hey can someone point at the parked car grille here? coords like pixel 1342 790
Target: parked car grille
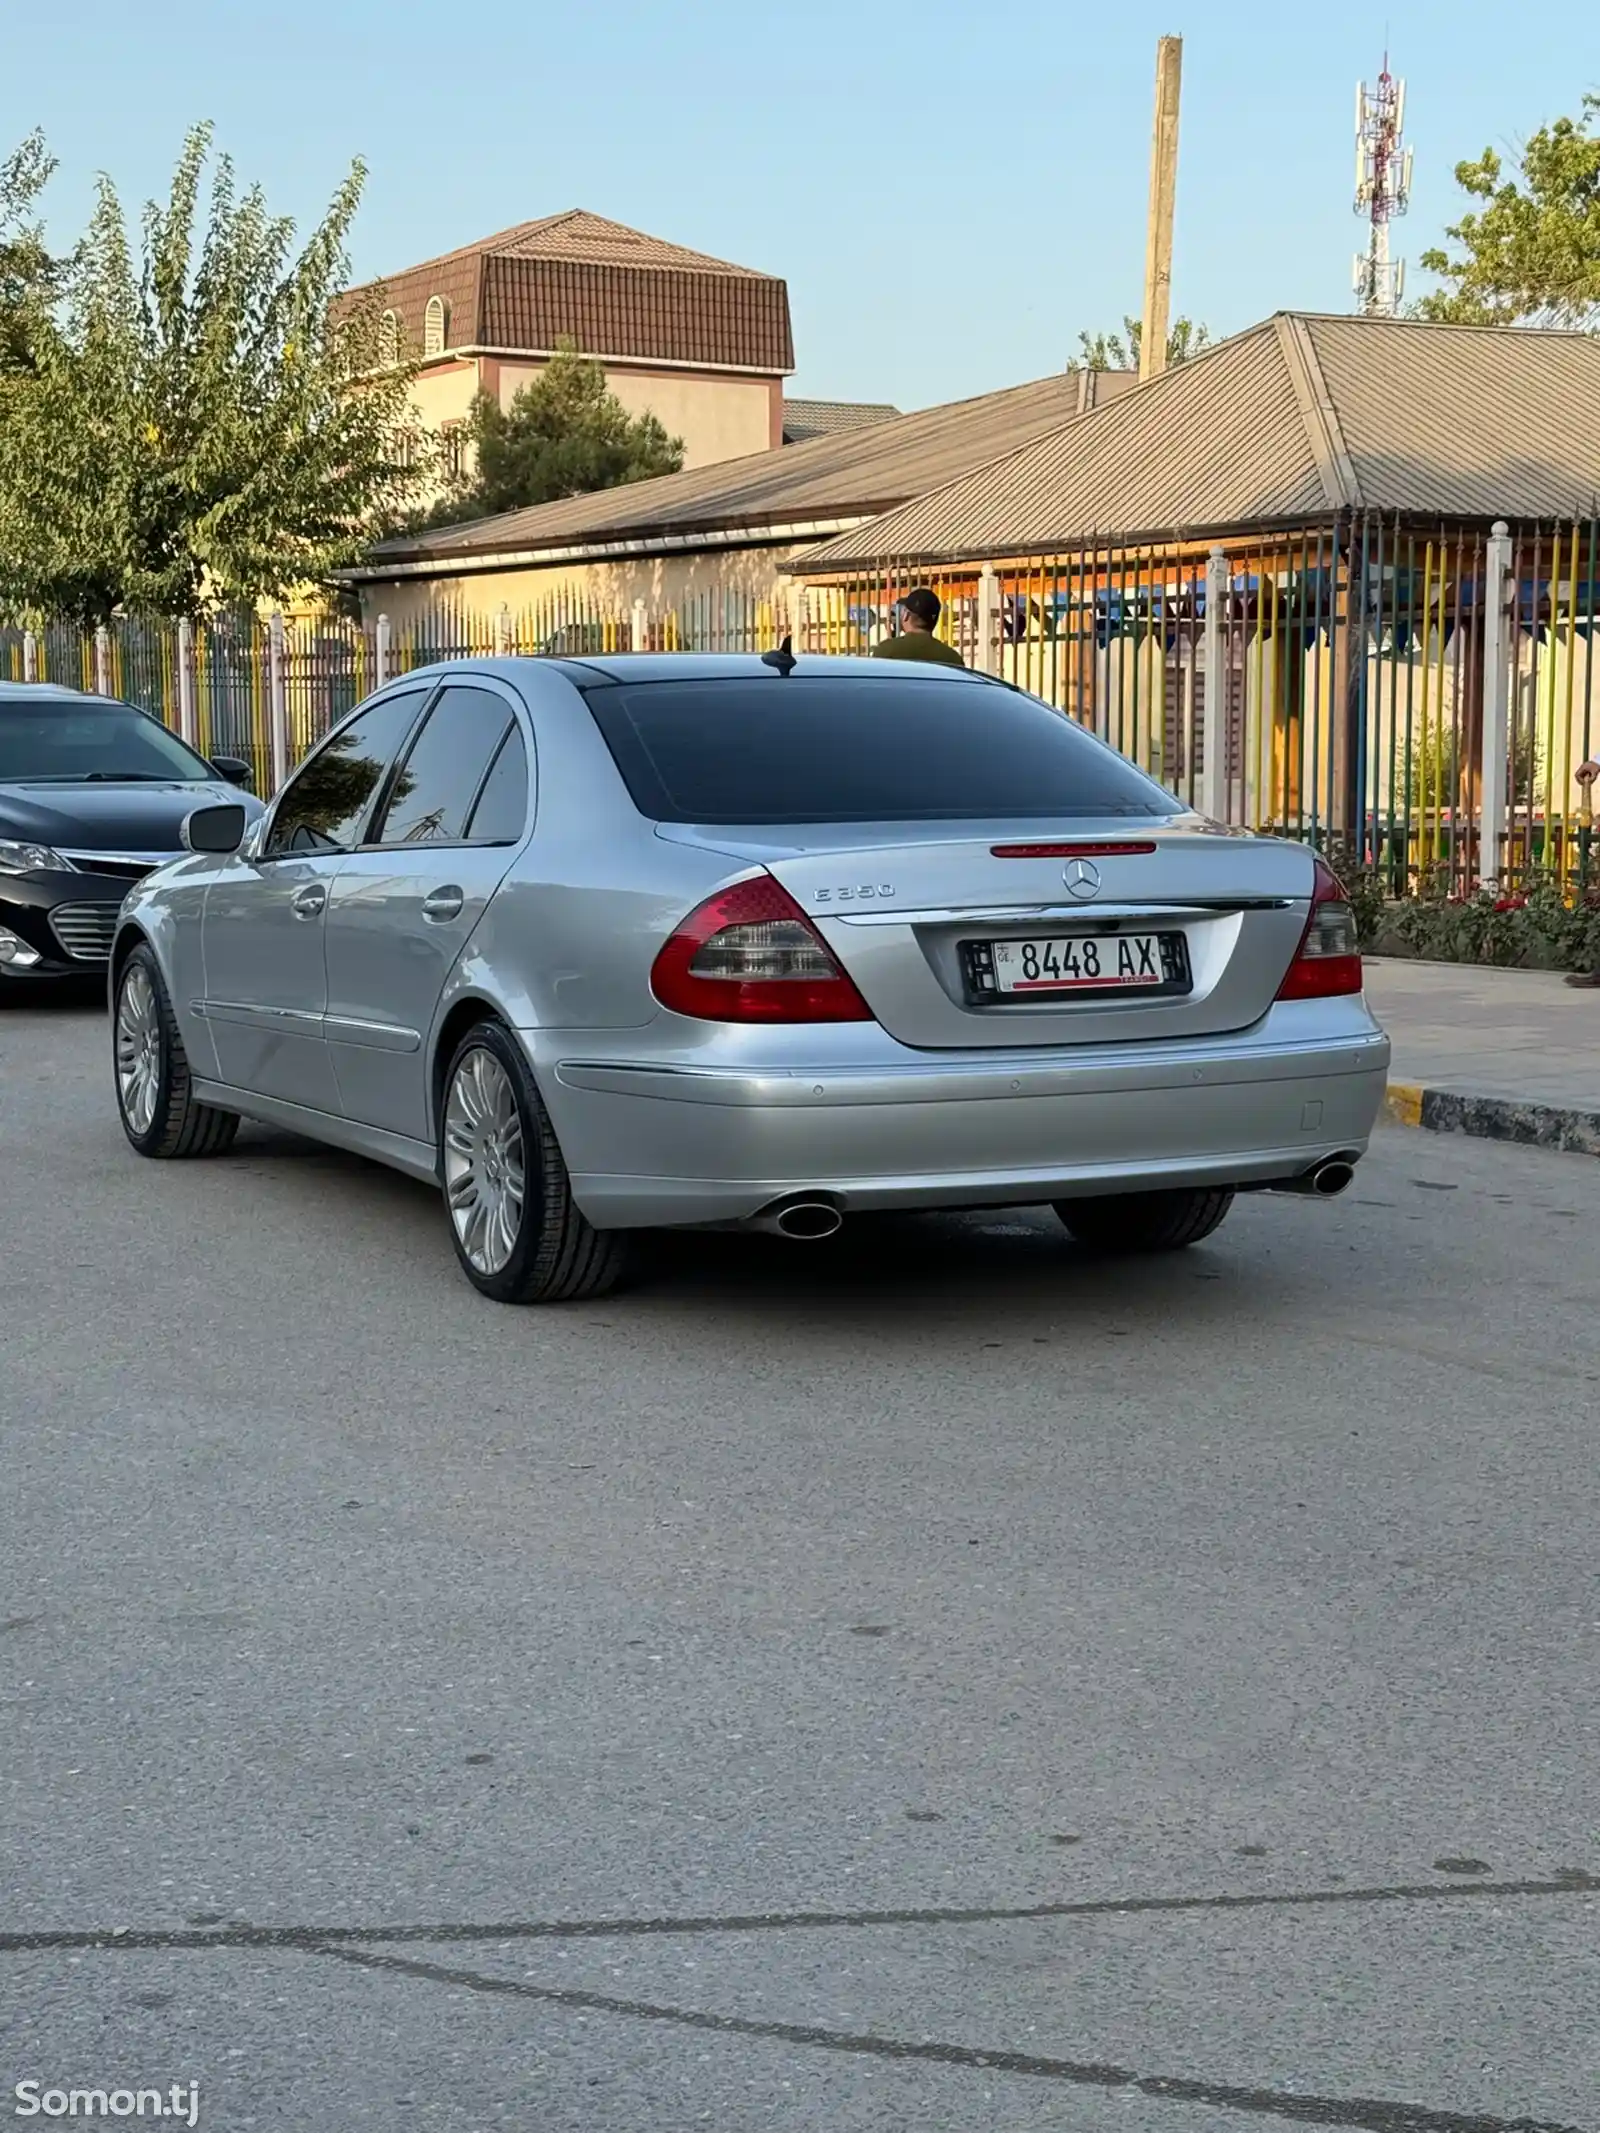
pixel 85 931
pixel 123 866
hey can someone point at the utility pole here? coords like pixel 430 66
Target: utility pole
pixel 1163 195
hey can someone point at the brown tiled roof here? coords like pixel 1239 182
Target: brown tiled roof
pixel 804 419
pixel 851 475
pixel 1296 419
pixel 613 290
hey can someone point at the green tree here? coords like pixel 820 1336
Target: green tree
pixel 1530 255
pixel 189 436
pixel 1120 351
pixel 30 278
pixel 564 434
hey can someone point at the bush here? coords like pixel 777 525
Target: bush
pixel 1535 925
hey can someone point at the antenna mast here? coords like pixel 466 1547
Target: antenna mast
pixel 1383 190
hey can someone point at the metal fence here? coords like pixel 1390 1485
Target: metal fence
pixel 1418 702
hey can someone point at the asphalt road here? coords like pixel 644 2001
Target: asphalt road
pixel 930 1681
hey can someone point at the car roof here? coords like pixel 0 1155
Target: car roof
pixel 24 692
pixel 695 666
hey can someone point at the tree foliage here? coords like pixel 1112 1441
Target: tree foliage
pixel 564 434
pixel 1530 255
pixel 1120 351
pixel 186 435
pixel 29 277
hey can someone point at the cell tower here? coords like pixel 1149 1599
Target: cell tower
pixel 1383 190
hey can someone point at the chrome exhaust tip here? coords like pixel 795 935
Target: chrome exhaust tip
pixel 800 1220
pixel 1324 1181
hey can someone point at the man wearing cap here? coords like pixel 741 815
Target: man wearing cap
pixel 1587 774
pixel 919 617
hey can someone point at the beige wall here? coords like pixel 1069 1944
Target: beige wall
pixel 706 588
pixel 718 416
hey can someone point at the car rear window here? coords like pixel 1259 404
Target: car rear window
pixel 813 749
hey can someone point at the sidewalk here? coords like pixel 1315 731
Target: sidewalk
pixel 1501 1054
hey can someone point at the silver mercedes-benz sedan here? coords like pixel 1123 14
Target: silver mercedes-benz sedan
pixel 629 943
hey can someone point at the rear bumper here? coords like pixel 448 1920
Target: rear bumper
pixel 650 1143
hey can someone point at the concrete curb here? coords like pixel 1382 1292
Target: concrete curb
pixel 1494 1118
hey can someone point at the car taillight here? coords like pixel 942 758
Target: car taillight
pixel 750 954
pixel 1329 959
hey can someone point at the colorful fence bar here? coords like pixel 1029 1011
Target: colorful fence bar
pixel 1416 702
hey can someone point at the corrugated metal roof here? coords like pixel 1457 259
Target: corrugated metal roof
pixel 805 419
pixel 615 291
pixel 851 475
pixel 1292 420
pixel 1465 421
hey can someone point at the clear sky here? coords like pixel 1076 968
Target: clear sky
pixel 951 191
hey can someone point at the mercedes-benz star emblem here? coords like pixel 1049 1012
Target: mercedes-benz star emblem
pixel 1082 878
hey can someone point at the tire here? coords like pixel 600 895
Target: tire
pixel 156 1102
pixel 1146 1221
pixel 518 1246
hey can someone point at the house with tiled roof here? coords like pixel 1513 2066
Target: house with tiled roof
pixel 698 342
pixel 805 419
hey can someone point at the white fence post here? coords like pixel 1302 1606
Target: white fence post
pixel 1214 794
pixel 278 699
pixel 102 661
pixel 186 719
pixel 797 616
pixel 1497 657
pixel 502 632
pixel 30 656
pixel 641 627
pixel 986 653
pixel 382 650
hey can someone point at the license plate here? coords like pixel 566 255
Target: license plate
pixel 1078 962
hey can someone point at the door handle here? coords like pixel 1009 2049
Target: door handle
pixel 310 901
pixel 443 904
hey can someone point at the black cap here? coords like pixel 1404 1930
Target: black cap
pixel 922 603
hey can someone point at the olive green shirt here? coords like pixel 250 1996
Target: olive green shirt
pixel 918 644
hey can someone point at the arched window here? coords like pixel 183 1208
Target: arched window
pixel 433 327
pixel 388 338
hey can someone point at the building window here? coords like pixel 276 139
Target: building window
pixel 433 327
pixel 388 339
pixel 453 448
pixel 406 446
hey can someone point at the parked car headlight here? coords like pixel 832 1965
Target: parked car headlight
pixel 32 859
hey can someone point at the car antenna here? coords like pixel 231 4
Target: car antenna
pixel 782 659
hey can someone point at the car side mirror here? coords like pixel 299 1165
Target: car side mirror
pixel 235 769
pixel 215 829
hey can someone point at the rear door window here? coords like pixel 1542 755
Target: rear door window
pixel 814 749
pixel 445 767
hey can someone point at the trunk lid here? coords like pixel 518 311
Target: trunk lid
pixel 901 911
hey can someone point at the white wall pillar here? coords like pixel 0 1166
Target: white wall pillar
pixel 278 699
pixel 1493 822
pixel 30 656
pixel 640 627
pixel 187 725
pixel 383 651
pixel 102 661
pixel 986 653
pixel 1214 795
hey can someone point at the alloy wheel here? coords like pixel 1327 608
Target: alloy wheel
pixel 485 1171
pixel 138 1049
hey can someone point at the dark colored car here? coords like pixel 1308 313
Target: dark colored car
pixel 93 795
